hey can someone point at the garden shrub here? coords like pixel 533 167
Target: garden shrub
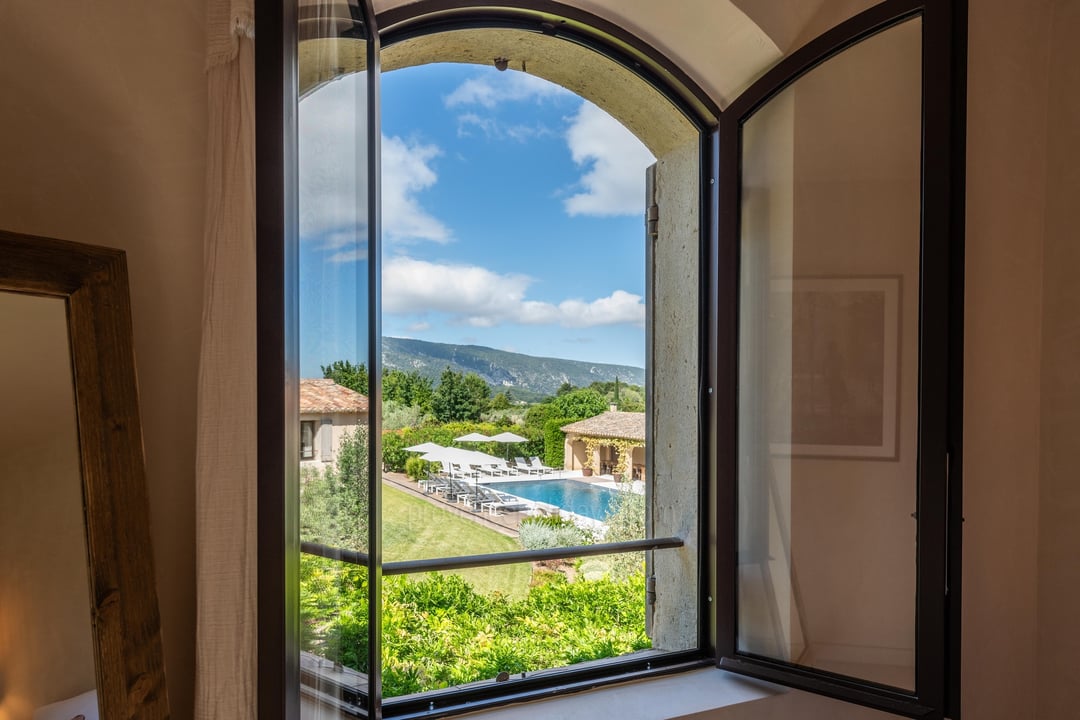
pixel 555 442
pixel 538 537
pixel 551 521
pixel 334 502
pixel 417 469
pixel 439 632
pixel 625 521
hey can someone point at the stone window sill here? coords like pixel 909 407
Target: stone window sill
pixel 670 697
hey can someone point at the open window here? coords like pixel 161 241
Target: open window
pixel 804 284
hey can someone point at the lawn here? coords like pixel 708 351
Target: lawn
pixel 414 529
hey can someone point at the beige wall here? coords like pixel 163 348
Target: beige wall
pixel 340 424
pixel 103 141
pixel 1059 419
pixel 1006 185
pixel 574 453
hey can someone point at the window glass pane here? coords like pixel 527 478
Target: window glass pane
pixel 829 300
pixel 333 320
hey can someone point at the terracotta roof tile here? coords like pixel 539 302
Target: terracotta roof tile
pixel 611 424
pixel 326 396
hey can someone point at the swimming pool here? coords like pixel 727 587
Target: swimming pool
pixel 570 495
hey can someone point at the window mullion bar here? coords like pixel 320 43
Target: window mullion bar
pixel 509 558
pixel 405 567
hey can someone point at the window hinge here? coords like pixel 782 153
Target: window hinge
pixel 652 221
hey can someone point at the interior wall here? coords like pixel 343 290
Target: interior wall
pixel 1059 492
pixel 1008 56
pixel 103 122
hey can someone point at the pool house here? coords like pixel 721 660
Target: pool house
pixel 612 443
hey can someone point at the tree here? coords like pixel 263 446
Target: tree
pixel 579 404
pixel 479 394
pixel 537 415
pixel 459 397
pixel 334 502
pixel 501 401
pixel 344 373
pixel 628 398
pixel 407 388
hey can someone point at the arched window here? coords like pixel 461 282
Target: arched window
pixel 798 462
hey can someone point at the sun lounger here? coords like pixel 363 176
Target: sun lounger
pixel 463 471
pixel 465 493
pixel 523 466
pixel 536 464
pixel 434 483
pixel 501 468
pixel 493 501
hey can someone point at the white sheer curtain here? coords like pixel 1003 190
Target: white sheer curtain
pixel 226 462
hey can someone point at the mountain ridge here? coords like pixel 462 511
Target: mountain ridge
pixel 501 369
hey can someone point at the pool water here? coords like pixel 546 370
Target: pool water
pixel 570 495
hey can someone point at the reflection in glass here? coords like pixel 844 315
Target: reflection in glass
pixel 829 365
pixel 334 239
pixel 46 644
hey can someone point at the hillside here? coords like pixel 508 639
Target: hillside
pixel 528 376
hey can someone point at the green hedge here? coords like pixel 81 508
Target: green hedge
pixel 438 632
pixel 394 442
pixel 555 442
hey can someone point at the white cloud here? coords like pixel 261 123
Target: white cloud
pixel 406 171
pixel 332 206
pixel 491 89
pixel 414 286
pixel 614 183
pixel 358 254
pixel 480 297
pixel 493 128
pixel 333 184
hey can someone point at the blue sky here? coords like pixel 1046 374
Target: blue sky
pixel 512 218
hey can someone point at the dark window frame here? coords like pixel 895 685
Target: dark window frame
pixel 307 452
pixel 278 449
pixel 941 335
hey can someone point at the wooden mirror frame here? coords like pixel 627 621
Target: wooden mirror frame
pixel 93 282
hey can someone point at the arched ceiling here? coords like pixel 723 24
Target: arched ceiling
pixel 713 41
pixel 722 45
